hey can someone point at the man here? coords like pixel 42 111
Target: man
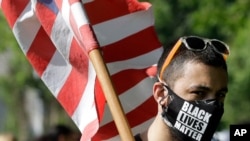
pixel 190 92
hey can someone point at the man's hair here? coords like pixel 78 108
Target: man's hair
pixel 176 67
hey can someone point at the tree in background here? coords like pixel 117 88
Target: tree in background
pixel 228 20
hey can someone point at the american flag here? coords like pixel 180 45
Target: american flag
pixel 56 37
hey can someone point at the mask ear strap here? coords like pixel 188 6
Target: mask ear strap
pixel 165 104
pixel 162 99
pixel 165 109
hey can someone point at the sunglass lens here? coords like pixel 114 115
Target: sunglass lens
pixel 220 47
pixel 195 43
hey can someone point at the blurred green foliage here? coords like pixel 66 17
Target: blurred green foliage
pixel 228 20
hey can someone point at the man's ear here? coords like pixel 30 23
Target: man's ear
pixel 158 92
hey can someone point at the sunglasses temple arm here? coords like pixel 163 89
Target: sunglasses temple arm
pixel 170 57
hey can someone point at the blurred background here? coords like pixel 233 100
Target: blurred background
pixel 28 109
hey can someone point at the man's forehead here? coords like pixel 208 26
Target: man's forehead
pixel 196 65
pixel 203 74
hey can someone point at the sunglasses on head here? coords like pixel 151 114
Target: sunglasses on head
pixel 195 43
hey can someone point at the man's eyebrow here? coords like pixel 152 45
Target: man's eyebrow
pixel 200 87
pixel 205 88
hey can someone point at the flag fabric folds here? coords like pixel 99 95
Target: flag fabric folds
pixel 56 37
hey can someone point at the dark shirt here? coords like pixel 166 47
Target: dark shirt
pixel 137 137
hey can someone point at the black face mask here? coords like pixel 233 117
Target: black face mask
pixel 192 120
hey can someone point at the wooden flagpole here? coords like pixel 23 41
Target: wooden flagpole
pixel 111 96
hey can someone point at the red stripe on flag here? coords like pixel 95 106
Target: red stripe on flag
pixel 41 51
pixel 101 10
pixel 13 9
pixel 46 17
pixel 142 113
pixel 100 100
pixel 129 79
pixel 78 59
pixel 71 93
pixel 132 46
pixel 145 111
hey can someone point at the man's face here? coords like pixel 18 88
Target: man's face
pixel 201 82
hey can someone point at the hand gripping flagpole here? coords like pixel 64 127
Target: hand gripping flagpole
pixel 110 95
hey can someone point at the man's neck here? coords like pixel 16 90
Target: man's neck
pixel 158 131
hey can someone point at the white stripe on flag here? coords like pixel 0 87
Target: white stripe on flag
pixel 79 14
pixel 61 36
pixel 26 28
pixel 65 11
pixel 142 60
pixel 141 91
pixel 54 76
pixel 116 29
